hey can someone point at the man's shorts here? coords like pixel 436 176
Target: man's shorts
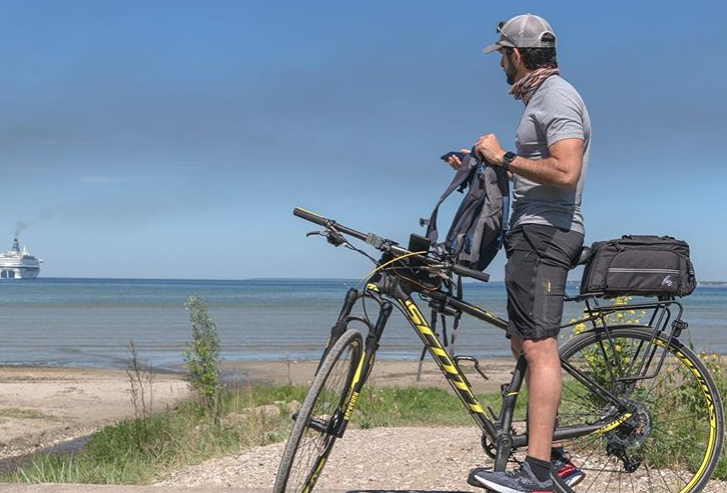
pixel 538 260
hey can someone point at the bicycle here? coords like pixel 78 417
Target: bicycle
pixel 639 409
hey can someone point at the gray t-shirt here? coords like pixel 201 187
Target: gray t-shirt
pixel 555 112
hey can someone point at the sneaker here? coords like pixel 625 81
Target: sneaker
pixel 521 480
pixel 566 470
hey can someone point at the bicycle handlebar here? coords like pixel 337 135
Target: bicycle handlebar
pixel 325 222
pixel 310 216
pixel 383 244
pixel 467 272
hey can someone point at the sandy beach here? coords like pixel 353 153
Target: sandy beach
pixel 41 406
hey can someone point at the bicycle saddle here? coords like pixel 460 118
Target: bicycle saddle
pixel 585 256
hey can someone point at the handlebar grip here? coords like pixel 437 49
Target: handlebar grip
pixel 310 216
pixel 475 274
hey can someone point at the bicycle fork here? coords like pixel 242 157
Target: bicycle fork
pixel 340 326
pixel 365 364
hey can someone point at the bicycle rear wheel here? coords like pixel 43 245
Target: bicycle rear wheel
pixel 321 416
pixel 669 438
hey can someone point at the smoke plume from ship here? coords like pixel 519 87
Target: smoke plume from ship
pixel 20 226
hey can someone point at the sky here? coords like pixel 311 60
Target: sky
pixel 172 139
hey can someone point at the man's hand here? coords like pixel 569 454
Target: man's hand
pixel 454 161
pixel 489 149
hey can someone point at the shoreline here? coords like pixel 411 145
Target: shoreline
pixel 395 371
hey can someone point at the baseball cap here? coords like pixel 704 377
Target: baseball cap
pixel 523 31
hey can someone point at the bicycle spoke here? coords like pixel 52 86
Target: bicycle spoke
pixel 619 482
pixel 608 484
pixel 595 479
pixel 591 439
pixel 671 470
pixel 658 381
pixel 668 394
pixel 661 475
pixel 683 418
pixel 631 480
pixel 581 398
pixel 648 476
pixel 682 452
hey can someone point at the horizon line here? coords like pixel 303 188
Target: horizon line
pixel 254 279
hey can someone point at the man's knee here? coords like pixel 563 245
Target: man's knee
pixel 540 350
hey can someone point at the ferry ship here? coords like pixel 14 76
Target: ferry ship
pixel 18 264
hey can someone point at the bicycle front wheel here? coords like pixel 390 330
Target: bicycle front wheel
pixel 321 417
pixel 668 434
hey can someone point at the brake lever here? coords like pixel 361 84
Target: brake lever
pixel 333 237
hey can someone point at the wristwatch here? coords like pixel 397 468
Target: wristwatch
pixel 508 158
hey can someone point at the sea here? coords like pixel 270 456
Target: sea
pixel 91 322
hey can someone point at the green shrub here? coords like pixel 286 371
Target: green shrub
pixel 202 356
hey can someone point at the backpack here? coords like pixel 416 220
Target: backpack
pixel 479 226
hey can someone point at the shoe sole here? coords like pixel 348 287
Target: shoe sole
pixel 498 488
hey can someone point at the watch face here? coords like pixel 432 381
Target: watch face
pixel 509 156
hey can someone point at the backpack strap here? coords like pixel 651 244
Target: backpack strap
pixel 457 317
pixel 465 173
pixel 505 211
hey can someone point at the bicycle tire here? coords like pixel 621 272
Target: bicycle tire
pixel 311 438
pixel 673 439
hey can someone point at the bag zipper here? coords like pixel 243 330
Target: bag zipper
pixel 650 271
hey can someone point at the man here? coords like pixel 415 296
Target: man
pixel 546 234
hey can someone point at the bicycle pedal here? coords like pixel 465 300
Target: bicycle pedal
pixel 559 486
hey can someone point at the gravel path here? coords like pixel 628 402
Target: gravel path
pixel 380 458
pixel 429 459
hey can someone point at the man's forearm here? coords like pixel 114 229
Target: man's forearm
pixel 561 169
pixel 548 171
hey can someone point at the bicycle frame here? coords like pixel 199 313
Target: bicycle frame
pixel 496 428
